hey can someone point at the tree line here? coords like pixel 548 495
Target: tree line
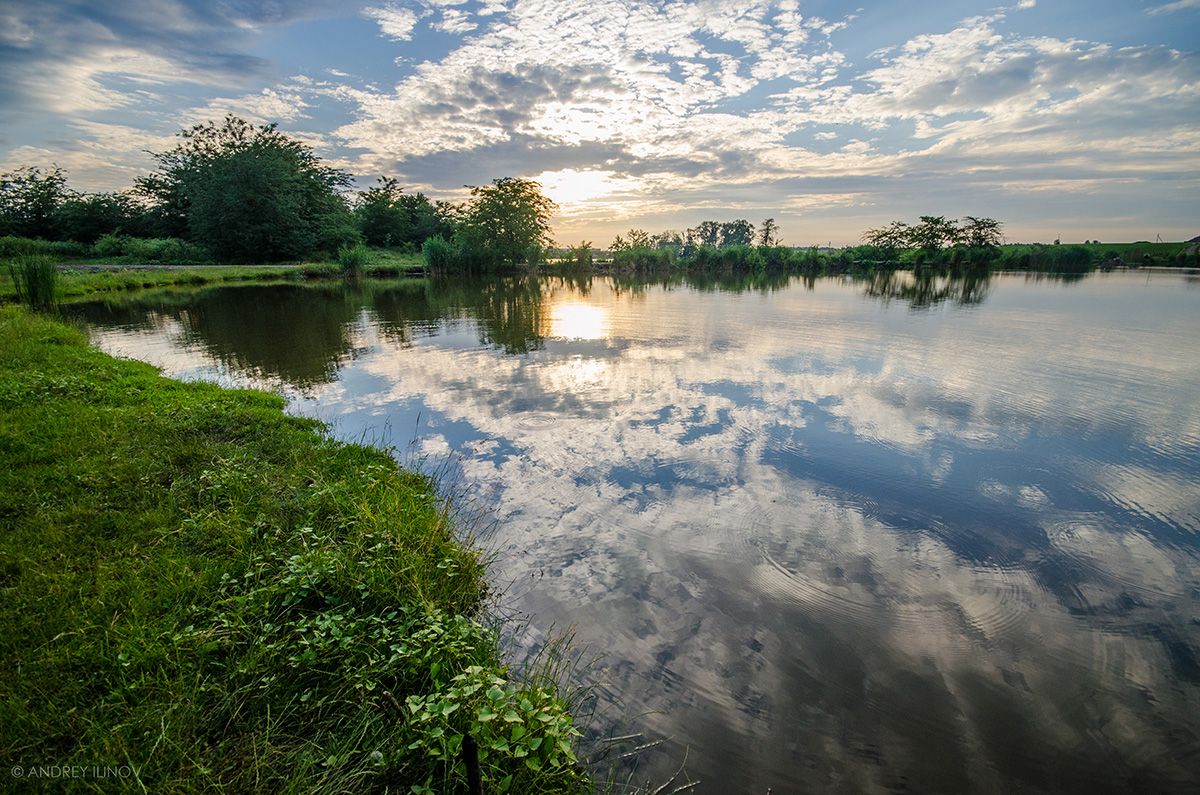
pixel 241 192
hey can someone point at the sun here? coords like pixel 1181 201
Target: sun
pixel 570 186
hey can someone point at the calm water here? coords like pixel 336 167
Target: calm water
pixel 832 536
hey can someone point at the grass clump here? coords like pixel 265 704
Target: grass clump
pixel 35 281
pixel 353 259
pixel 221 597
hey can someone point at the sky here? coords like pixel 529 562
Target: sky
pixel 1062 119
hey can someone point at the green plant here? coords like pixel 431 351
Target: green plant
pixel 35 279
pixel 353 259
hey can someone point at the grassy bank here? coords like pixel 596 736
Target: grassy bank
pixel 217 596
pixel 82 280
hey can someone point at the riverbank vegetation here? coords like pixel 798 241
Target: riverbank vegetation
pixel 218 596
pixel 236 193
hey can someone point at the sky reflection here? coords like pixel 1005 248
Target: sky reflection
pixel 835 536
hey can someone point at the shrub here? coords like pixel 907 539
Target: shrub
pixel 165 250
pixel 11 246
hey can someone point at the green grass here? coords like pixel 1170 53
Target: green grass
pixel 34 281
pixel 217 595
pixel 81 280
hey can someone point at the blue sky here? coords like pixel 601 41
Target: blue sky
pixel 1071 119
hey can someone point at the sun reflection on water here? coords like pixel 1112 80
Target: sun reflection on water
pixel 575 320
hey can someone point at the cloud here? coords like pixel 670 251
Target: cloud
pixel 1170 8
pixel 395 22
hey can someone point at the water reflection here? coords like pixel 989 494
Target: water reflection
pixel 825 543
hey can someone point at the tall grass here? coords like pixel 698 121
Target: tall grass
pixel 35 279
pixel 353 259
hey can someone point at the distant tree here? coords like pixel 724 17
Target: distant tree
pixel 638 238
pixel 29 198
pixel 667 241
pixel 737 233
pixel 580 255
pixel 707 233
pixel 981 232
pixel 88 217
pixel 933 232
pixel 510 219
pixel 619 244
pixel 768 233
pixel 249 192
pixel 890 238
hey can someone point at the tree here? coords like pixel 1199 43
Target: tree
pixel 933 232
pixel 509 218
pixel 28 200
pixel 379 217
pixel 982 232
pixel 737 233
pixel 88 217
pixel 708 233
pixel 249 192
pixel 768 233
pixel 387 216
pixel 890 238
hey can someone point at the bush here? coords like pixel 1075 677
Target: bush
pixel 35 279
pixel 642 259
pixel 164 250
pixel 23 246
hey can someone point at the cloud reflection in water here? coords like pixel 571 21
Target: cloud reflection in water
pixel 837 536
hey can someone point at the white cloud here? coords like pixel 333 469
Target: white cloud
pixel 1178 5
pixel 395 22
pixel 455 21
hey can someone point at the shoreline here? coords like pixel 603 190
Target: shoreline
pixel 216 595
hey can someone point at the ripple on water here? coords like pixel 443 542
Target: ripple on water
pixel 833 562
pixel 536 420
pixel 1121 556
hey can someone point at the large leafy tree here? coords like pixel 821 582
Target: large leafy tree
pixel 29 198
pixel 509 218
pixel 249 192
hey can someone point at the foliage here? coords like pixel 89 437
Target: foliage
pixel 29 198
pixel 509 218
pixel 16 246
pixel 386 216
pixel 35 281
pixel 935 232
pixel 768 233
pixel 166 251
pixel 220 596
pixel 580 256
pixel 249 193
pixel 353 259
pixel 87 217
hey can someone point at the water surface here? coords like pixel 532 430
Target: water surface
pixel 824 536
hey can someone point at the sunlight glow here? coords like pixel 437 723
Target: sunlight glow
pixel 570 186
pixel 578 321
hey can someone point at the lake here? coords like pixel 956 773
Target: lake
pixel 820 536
